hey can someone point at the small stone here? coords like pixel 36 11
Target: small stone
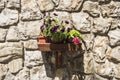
pixel 9 51
pixel 114 37
pixel 82 23
pixel 31 44
pixel 33 58
pixel 9 76
pixel 70 5
pixel 15 65
pixel 13 3
pixel 101 25
pixel 3 33
pixel 91 8
pixel 13 34
pixel 115 54
pixel 117 71
pixel 45 5
pixel 8 17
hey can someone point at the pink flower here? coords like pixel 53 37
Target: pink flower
pixel 76 40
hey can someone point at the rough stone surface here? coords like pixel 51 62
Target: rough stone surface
pixel 30 10
pixel 33 58
pixel 91 8
pixel 45 5
pixel 114 37
pixel 114 55
pixel 13 3
pixel 2 4
pixel 15 65
pixel 9 76
pixel 70 5
pixel 8 17
pixel 24 74
pixel 101 25
pixel 82 22
pixel 9 51
pixel 38 73
pixel 3 70
pixel 3 33
pixel 29 29
pixel 13 34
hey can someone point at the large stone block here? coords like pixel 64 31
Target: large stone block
pixel 81 22
pixel 3 33
pixel 91 8
pixel 15 65
pixel 8 17
pixel 33 58
pixel 13 3
pixel 70 5
pixel 114 37
pixel 10 51
pixel 30 10
pixel 29 29
pixel 13 34
pixel 31 44
pixel 45 5
pixel 101 25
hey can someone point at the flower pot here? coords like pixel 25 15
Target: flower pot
pixel 42 39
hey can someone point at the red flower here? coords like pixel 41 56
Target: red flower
pixel 76 40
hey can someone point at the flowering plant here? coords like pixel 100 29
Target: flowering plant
pixel 58 32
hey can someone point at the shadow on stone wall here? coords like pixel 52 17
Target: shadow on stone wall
pixel 72 65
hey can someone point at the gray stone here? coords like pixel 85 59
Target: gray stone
pixel 105 70
pixel 88 63
pixel 3 33
pixel 10 51
pixel 101 25
pixel 114 37
pixel 9 76
pixel 108 9
pixel 13 34
pixel 70 5
pixel 2 4
pixel 38 73
pixel 45 5
pixel 8 17
pixel 24 74
pixel 33 58
pixel 100 49
pixel 114 55
pixel 88 39
pixel 91 8
pixel 13 3
pixel 29 29
pixel 3 70
pixel 15 65
pixel 30 10
pixel 81 23
pixel 31 44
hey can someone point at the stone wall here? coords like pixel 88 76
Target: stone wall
pixel 97 20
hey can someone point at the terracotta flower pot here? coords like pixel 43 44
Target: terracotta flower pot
pixel 42 39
